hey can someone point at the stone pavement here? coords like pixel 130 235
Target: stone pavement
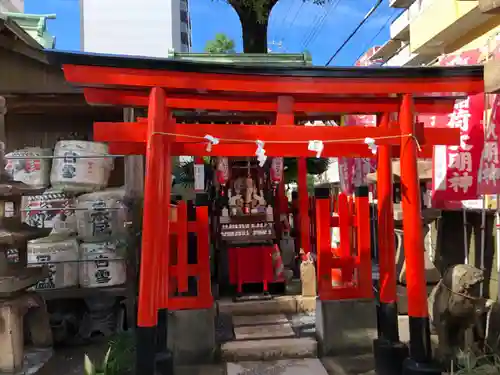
pixel 274 342
pixel 268 337
pixel 306 366
pixel 358 365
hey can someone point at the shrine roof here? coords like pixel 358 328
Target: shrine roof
pixel 354 72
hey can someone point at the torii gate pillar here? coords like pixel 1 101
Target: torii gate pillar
pixel 389 352
pixel 420 360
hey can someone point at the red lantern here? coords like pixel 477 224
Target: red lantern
pixel 222 171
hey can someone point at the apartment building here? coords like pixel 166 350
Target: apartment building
pixel 151 28
pixel 428 29
pixel 12 6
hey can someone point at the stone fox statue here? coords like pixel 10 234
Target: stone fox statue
pixel 455 307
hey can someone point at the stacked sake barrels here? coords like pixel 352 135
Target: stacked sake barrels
pixel 86 246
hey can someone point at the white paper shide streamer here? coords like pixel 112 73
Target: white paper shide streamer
pixel 260 153
pixel 211 141
pixel 317 147
pixel 370 142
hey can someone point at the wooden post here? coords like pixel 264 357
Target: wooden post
pixel 285 116
pixel 420 343
pixel 345 226
pixel 323 241
pixel 363 241
pixel 388 297
pixel 134 193
pixel 492 77
pixel 3 112
pixel 489 6
pixel 134 165
pixel 303 205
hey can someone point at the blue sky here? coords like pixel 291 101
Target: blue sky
pixel 294 25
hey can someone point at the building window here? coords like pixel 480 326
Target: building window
pixel 184 16
pixel 184 38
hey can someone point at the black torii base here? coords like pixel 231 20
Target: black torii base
pixel 388 351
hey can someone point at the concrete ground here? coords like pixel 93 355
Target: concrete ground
pixel 69 361
pixel 290 325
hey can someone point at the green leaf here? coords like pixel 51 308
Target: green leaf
pixel 221 44
pixel 184 172
pixel 88 366
pixel 106 359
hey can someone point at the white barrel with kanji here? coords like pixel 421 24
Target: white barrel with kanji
pixel 29 165
pixel 53 209
pixel 102 264
pixel 80 166
pixel 60 254
pixel 101 216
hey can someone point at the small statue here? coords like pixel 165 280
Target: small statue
pixel 258 200
pixel 456 308
pixel 249 190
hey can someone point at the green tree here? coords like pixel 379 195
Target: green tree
pixel 254 18
pixel 308 55
pixel 221 44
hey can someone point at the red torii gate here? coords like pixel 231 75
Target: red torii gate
pixel 163 85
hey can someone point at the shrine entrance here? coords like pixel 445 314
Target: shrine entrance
pixel 165 86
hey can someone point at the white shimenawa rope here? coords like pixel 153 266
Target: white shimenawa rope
pixel 316 146
pixel 347 140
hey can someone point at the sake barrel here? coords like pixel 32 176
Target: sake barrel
pixel 101 216
pixel 25 165
pixel 80 166
pixel 61 255
pixel 102 264
pixel 52 209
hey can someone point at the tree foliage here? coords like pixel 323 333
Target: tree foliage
pixel 220 44
pixel 254 17
pixel 263 8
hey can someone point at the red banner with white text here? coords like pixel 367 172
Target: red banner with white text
pixel 489 172
pixel 455 168
pixel 353 171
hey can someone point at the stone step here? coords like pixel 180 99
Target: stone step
pixel 264 331
pixel 306 366
pixel 349 365
pixel 276 305
pixel 254 320
pixel 269 349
